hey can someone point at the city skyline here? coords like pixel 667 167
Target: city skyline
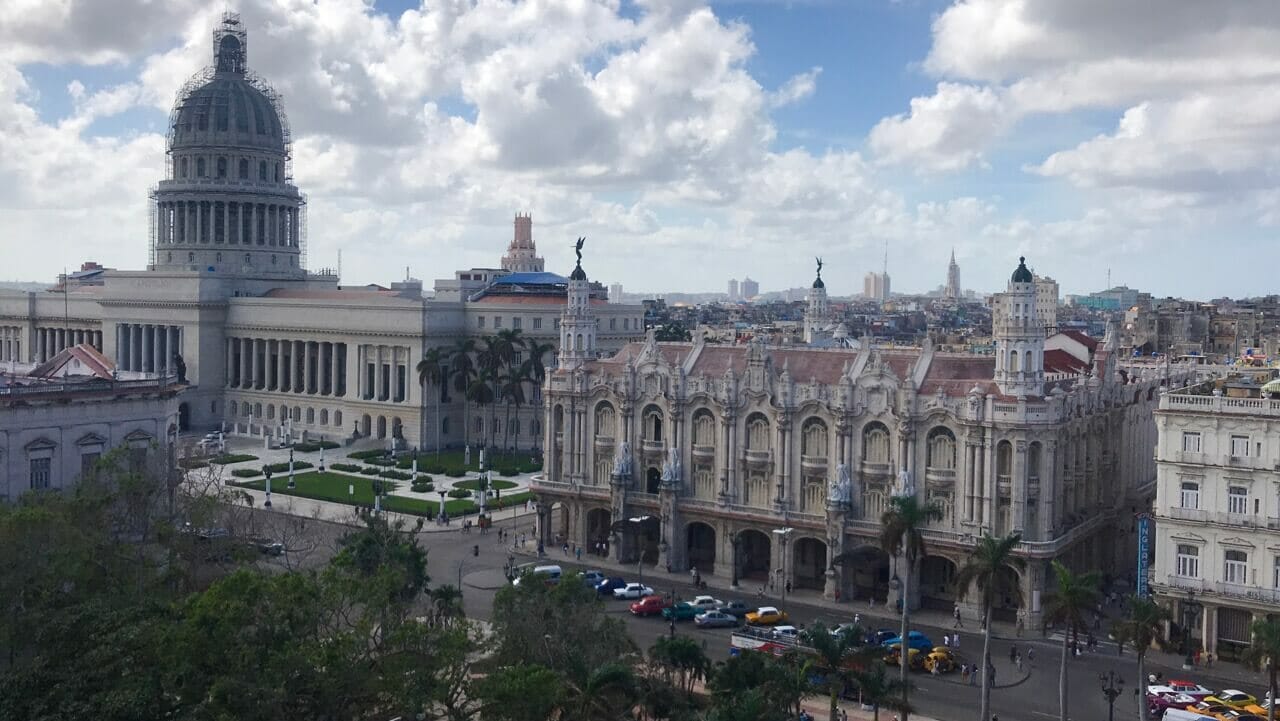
pixel 922 138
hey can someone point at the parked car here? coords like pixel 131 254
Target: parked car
pixel 1179 714
pixel 1189 688
pixel 915 639
pixel 941 659
pixel 841 628
pixel 592 578
pixel 915 657
pixel 1162 698
pixel 267 545
pixel 632 590
pixel 766 616
pixel 609 585
pixel 1233 698
pixel 1205 708
pixel 788 633
pixel 715 619
pixel 879 637
pixel 682 611
pixel 737 609
pixel 705 603
pixel 650 606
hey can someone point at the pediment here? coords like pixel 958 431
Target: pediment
pixel 1235 541
pixel 139 435
pixel 40 444
pixel 91 439
pixel 1188 536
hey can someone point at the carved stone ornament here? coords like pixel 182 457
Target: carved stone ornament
pixel 841 487
pixel 622 460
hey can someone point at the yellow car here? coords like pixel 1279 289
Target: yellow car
pixel 1233 698
pixel 941 659
pixel 766 616
pixel 1210 708
pixel 915 659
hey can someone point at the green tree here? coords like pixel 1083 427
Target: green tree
pixel 1264 653
pixel 901 533
pixel 433 371
pixel 511 387
pixel 462 373
pixel 681 660
pixel 1076 596
pixel 877 689
pixel 673 331
pixel 990 559
pixel 838 657
pixel 520 692
pixel 1142 626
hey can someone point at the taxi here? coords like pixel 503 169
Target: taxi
pixel 915 657
pixel 940 658
pixel 1233 698
pixel 1209 708
pixel 766 616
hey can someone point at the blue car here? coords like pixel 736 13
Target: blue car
pixel 591 578
pixel 915 639
pixel 606 587
pixel 877 638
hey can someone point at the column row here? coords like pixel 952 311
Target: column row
pixel 288 366
pixel 210 221
pixel 11 343
pixel 147 347
pixel 51 341
pixel 384 373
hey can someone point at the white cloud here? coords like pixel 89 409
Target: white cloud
pixel 945 131
pixel 796 89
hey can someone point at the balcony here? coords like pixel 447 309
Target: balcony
pixel 604 441
pixel 1255 593
pixel 1187 514
pixel 1197 403
pixel 1187 584
pixel 757 457
pixel 813 463
pixel 1004 485
pixel 870 468
pixel 704 451
pixel 652 447
pixel 559 440
pixel 940 478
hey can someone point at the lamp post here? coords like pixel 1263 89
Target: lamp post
pixel 322 455
pixel 735 542
pixel 440 515
pixel 266 470
pixel 377 496
pixel 1112 687
pixel 291 483
pixel 1190 612
pixel 639 521
pixel 783 534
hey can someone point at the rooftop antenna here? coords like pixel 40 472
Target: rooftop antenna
pixel 886 257
pixel 1108 279
pixel 339 265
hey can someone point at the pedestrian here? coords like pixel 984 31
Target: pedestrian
pixel 1031 656
pixel 1208 660
pixel 857 619
pixel 946 640
pixel 871 600
pixel 973 674
pixel 579 554
pixel 566 549
pixel 1013 652
pixel 788 585
pixel 1017 661
pixel 955 614
pixel 964 673
pixel 693 573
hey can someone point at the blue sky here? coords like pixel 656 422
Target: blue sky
pixel 690 142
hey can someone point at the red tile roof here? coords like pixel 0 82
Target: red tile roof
pixel 1088 341
pixel 95 363
pixel 1060 361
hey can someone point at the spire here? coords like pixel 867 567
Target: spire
pixel 230 45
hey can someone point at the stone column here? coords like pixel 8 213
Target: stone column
pixel 1018 488
pixel 122 346
pixel 335 368
pixel 229 375
pixel 298 372
pixel 1048 490
pixel 309 367
pixel 146 359
pixel 138 353
pixel 226 222
pixel 253 224
pixel 244 362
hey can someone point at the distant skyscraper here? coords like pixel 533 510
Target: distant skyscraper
pixel 615 293
pixel 750 289
pixel 876 286
pixel 733 290
pixel 952 289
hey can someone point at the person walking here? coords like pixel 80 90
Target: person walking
pixel 955 614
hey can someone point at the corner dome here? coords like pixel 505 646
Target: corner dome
pixel 578 273
pixel 1021 274
pixel 817 283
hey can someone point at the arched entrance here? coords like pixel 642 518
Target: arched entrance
pixel 937 583
pixel 700 547
pixel 364 425
pixel 599 522
pixel 652 480
pixel 1006 596
pixel 754 554
pixel 809 563
pixel 382 426
pixel 866 568
pixel 184 417
pixel 397 428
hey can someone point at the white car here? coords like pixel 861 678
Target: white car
pixel 632 590
pixel 705 603
pixel 789 633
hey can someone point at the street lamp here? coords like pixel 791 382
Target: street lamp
pixel 440 515
pixel 735 541
pixel 783 534
pixel 266 470
pixel 291 483
pixel 1190 612
pixel 639 521
pixel 1112 687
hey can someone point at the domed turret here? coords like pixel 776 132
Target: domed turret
pixel 1021 274
pixel 228 204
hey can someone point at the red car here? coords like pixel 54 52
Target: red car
pixel 1164 698
pixel 650 605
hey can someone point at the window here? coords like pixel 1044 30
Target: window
pixel 535 426
pixel 613 324
pixel 1275 573
pixel 1190 442
pixel 182 168
pixel 1235 567
pixel 537 324
pixel 248 259
pixel 497 321
pixel 191 257
pixel 218 257
pixel 1190 495
pixel 87 462
pixel 262 170
pixel 222 167
pixel 479 321
pixel 244 169
pixel 444 426
pixel 1240 446
pixel 41 469
pixel 517 322
pixel 1237 499
pixel 1187 561
pixel 200 167
pixel 626 323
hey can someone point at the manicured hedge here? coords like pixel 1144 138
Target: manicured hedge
pixel 459 493
pixel 474 484
pixel 313 446
pixel 283 467
pixel 456 472
pixel 371 453
pixel 385 462
pixel 246 473
pixel 193 463
pixel 422 487
pixel 370 471
pixel 228 458
pixel 396 475
pixel 424 478
pixel 348 467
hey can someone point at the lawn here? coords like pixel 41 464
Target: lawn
pixel 494 483
pixel 334 487
pixel 521 461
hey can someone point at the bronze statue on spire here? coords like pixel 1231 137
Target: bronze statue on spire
pixel 819 259
pixel 578 248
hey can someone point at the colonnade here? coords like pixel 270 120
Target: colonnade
pixel 214 221
pixel 51 341
pixel 384 373
pixel 11 343
pixel 287 366
pixel 146 347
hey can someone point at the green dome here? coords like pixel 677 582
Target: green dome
pixel 1021 274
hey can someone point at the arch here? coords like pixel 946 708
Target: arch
pixel 311 416
pixel 324 416
pixel 942 449
pixel 257 410
pixel 652 423
pixel 1013 361
pixel 262 170
pixel 221 167
pixel 233 409
pixel 382 426
pixel 605 420
pixel 1034 459
pixel 599 522
pixel 652 480
pixel 757 437
pixel 365 424
pixel 704 428
pixel 397 427
pixel 809 563
pixel 581 345
pixel 813 438
pixel 297 414
pixel 937 583
pixel 867 569
pixel 700 547
pixel 271 412
pixel 875 443
pixel 1004 460
pixel 1027 363
pixel 337 418
pixel 184 416
pixel 1006 596
pixel 754 555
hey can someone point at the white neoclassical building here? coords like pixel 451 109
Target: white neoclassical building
pixel 748 461
pixel 269 346
pixel 1217 533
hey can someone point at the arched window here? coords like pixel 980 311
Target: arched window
pixel 605 420
pixel 875 444
pixel 311 416
pixel 942 450
pixel 1033 462
pixel 297 414
pixel 813 441
pixel 653 424
pixel 217 257
pixel 278 172
pixel 324 416
pixel 244 169
pixel 257 410
pixel 222 167
pixel 233 409
pixel 191 257
pixel 1027 365
pixel 262 170
pixel 1013 361
pixel 444 426
pixel 182 168
pixel 273 258
pixel 757 432
pixel 337 419
pixel 1004 461
pixel 248 259
pixel 704 429
pixel 271 412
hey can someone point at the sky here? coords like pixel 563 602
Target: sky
pixel 690 141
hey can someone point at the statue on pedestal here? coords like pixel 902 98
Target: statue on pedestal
pixel 622 460
pixel 671 470
pixel 841 487
pixel 906 487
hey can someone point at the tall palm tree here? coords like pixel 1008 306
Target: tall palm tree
pixel 480 392
pixel 901 533
pixel 1265 652
pixel 990 558
pixel 1142 627
pixel 489 360
pixel 537 370
pixel 462 372
pixel 877 688
pixel 433 371
pixel 1076 596
pixel 837 654
pixel 511 390
pixel 603 695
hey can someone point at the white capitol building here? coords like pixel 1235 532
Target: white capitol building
pixel 269 346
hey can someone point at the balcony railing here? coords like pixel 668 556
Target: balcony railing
pixel 604 441
pixel 813 462
pixel 1189 584
pixel 652 446
pixel 704 451
pixel 756 456
pixel 1269 595
pixel 1188 514
pixel 1220 404
pixel 870 468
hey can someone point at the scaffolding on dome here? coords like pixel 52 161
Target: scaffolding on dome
pixel 153 219
pixel 302 231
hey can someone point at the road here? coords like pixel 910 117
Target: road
pixel 452 556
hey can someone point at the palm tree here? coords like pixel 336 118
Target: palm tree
pixel 462 371
pixel 433 371
pixel 480 392
pixel 489 360
pixel 901 533
pixel 877 688
pixel 990 558
pixel 1265 651
pixel 446 602
pixel 835 655
pixel 603 695
pixel 1076 595
pixel 511 390
pixel 537 369
pixel 1142 626
pixel 682 661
